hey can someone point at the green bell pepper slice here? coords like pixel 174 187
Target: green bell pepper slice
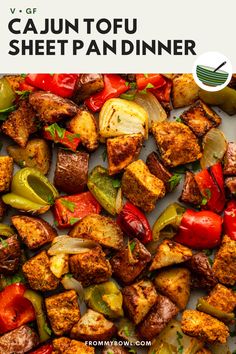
pixel 7 95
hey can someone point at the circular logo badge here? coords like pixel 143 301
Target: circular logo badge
pixel 212 71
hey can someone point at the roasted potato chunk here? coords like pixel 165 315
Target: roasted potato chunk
pixel 115 349
pixel 71 172
pixel 85 124
pixel 203 326
pixel 176 143
pixel 128 266
pixel 51 108
pixel 122 150
pixel 174 283
pixel 63 311
pixel 225 262
pixel 200 118
pixel 20 340
pixel 203 276
pixel 229 166
pixel 37 271
pixel 141 187
pixel 230 184
pixel 90 267
pixel 20 124
pixel 6 171
pixel 190 193
pixel 158 317
pixel 10 254
pixel 168 253
pixel 36 154
pixel 185 91
pixel 93 326
pixel 101 229
pixel 204 351
pixel 65 345
pixel 59 264
pixel 33 231
pixel 138 299
pixel 87 85
pixel 222 298
pixel 158 170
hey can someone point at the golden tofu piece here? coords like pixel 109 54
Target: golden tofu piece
pixel 122 150
pixel 141 187
pixel 203 326
pixel 176 143
pixel 224 266
pixel 20 124
pixel 90 267
pixel 168 253
pixel 65 345
pixel 63 311
pixel 185 91
pixel 60 345
pixel 138 299
pixel 14 81
pixel 6 172
pixel 37 271
pixel 222 298
pixel 200 118
pixel 204 351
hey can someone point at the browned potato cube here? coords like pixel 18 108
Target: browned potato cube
pixel 63 311
pixel 138 299
pixel 87 85
pixel 200 118
pixel 222 298
pixel 190 193
pixel 6 171
pixel 122 150
pixel 185 91
pixel 141 187
pixel 230 183
pixel 127 267
pixel 176 143
pixel 90 267
pixel 202 274
pixel 10 253
pixel 34 232
pixel 37 271
pixel 203 326
pixel 229 166
pixel 158 170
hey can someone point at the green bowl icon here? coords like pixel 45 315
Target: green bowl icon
pixel 209 77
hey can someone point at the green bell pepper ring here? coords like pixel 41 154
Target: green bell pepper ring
pixel 7 95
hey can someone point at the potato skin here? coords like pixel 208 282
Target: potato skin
pixel 158 170
pixel 20 340
pixel 85 124
pixel 71 173
pixel 190 193
pixel 10 255
pixel 229 166
pixel 87 85
pixel 51 108
pixel 36 154
pixel 202 274
pixel 185 91
pixel 33 231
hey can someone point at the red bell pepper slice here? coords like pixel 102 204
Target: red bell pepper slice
pixel 60 84
pixel 45 349
pixel 211 184
pixel 114 86
pixel 134 223
pixel 200 230
pixel 70 209
pixel 163 93
pixel 149 81
pixel 15 309
pixel 230 220
pixel 26 87
pixel 60 135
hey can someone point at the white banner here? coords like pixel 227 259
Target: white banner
pixel 113 36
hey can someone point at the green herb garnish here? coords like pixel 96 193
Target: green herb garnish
pixel 174 181
pixel 104 155
pixel 55 128
pixel 23 94
pixel 74 220
pixel 116 183
pixel 132 245
pixel 47 329
pixel 178 119
pixel 68 205
pixel 4 243
pixel 179 338
pixel 126 331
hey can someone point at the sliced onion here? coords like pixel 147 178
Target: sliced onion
pixel 70 245
pixel 71 283
pixel 149 102
pixel 119 201
pixel 214 148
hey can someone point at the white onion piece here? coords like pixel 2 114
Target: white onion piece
pixel 71 283
pixel 152 106
pixel 70 245
pixel 214 147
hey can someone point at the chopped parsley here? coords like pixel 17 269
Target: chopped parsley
pixel 74 220
pixel 4 112
pixel 145 75
pixel 69 275
pixel 178 119
pixel 54 129
pixel 126 331
pixel 208 252
pixel 104 155
pixel 116 183
pixel 4 243
pixel 204 201
pixel 50 199
pixel 132 245
pixel 68 205
pixel 47 329
pixel 23 94
pixel 179 340
pixel 174 181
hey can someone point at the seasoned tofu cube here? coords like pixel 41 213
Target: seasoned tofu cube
pixel 224 266
pixel 51 108
pixel 185 90
pixel 168 253
pixel 20 124
pixel 138 299
pixel 176 143
pixel 190 193
pixel 158 317
pixel 229 166
pixel 60 345
pixel 93 326
pixel 200 118
pixel 14 81
pixel 204 327
pixel 6 171
pixel 33 231
pixel 63 311
pixel 37 271
pixel 141 187
pixel 90 267
pixel 87 85
pixel 122 150
pixel 65 345
pixel 128 266
pixel 222 298
pixel 158 170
